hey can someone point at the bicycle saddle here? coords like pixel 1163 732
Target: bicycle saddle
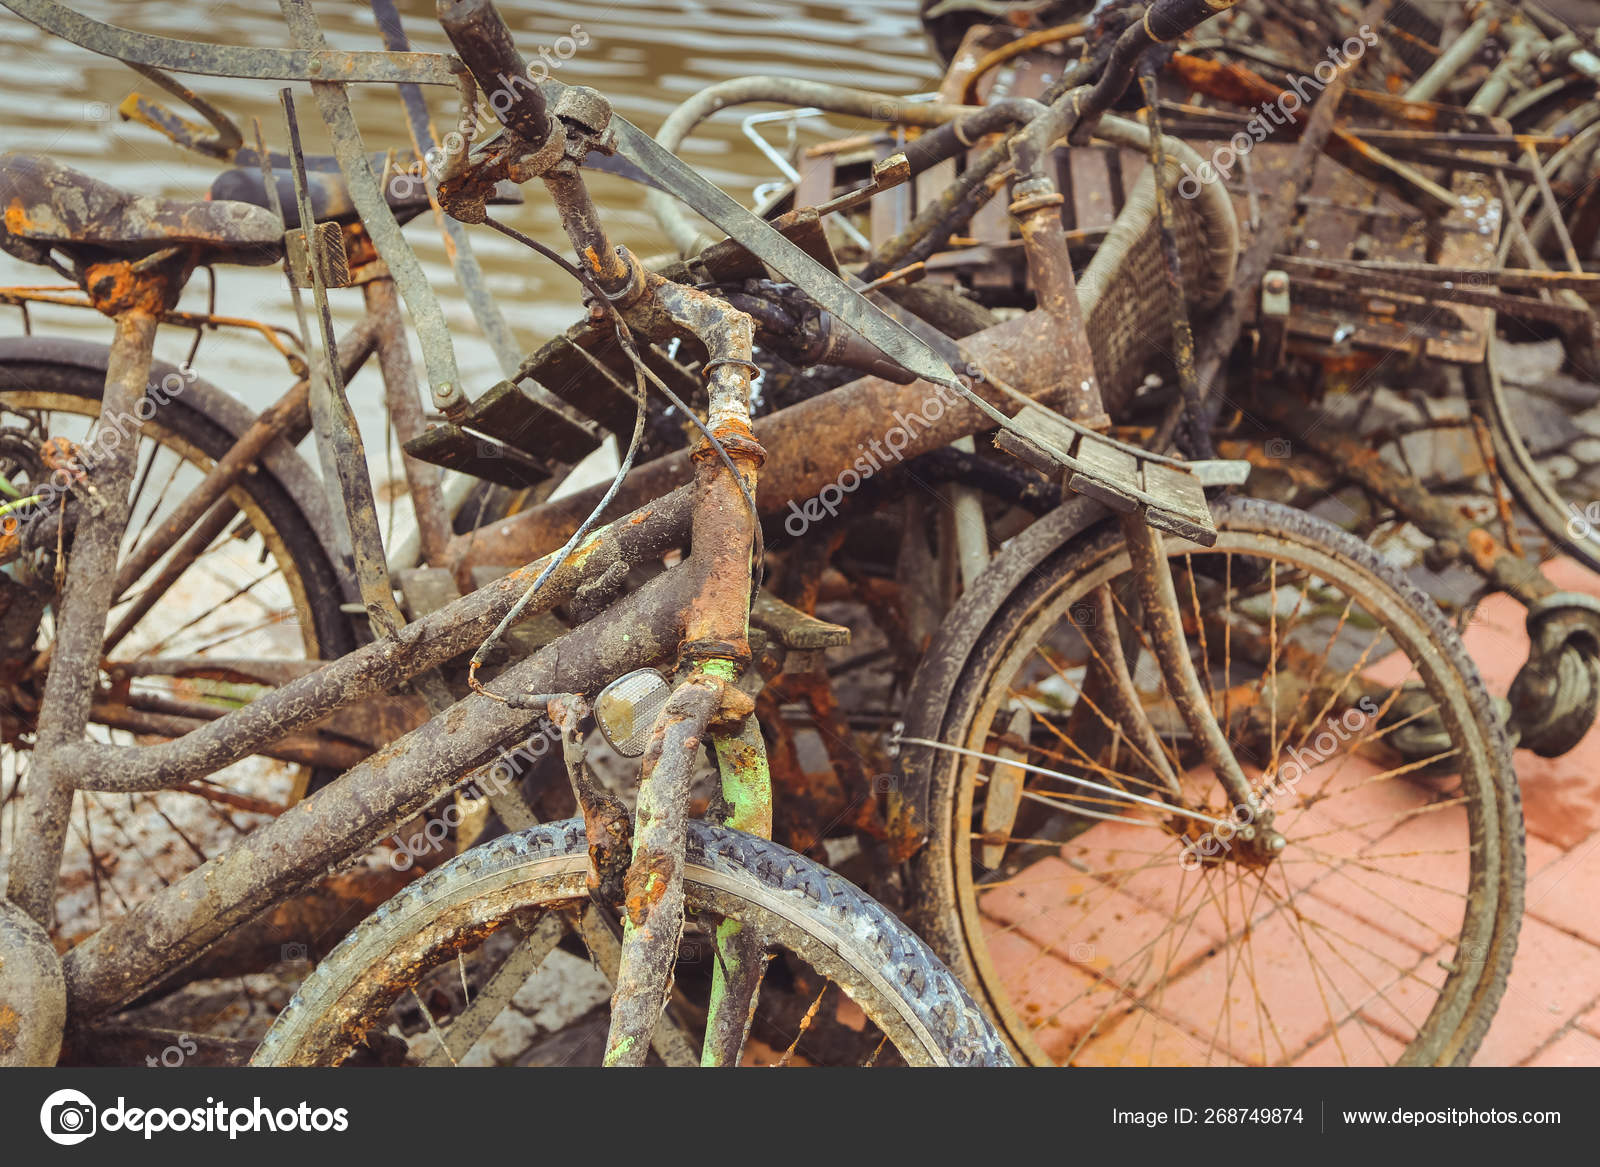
pixel 330 198
pixel 44 205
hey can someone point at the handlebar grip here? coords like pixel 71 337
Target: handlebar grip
pixel 481 39
pixel 1169 19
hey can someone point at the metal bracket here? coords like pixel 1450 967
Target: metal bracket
pixel 1122 477
pixel 328 239
pixel 1273 321
pixel 891 172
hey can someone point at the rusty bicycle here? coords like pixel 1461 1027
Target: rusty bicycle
pixel 1138 663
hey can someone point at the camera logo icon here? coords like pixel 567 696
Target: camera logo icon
pixel 68 1117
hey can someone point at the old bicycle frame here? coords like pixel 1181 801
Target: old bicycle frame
pixel 695 612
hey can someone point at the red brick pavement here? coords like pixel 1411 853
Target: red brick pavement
pixel 1067 964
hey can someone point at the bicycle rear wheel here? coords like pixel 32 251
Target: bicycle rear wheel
pixel 420 970
pixel 186 643
pixel 1544 434
pixel 1384 930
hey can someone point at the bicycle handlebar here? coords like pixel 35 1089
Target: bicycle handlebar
pixel 1167 20
pixel 479 35
pixel 1163 21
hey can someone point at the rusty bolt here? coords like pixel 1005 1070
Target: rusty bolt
pixel 586 107
pixel 735 706
pixel 1276 283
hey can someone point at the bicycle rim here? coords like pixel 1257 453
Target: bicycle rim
pixel 262 591
pixel 1558 491
pixel 848 982
pixel 1384 931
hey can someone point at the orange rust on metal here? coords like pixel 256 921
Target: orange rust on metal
pixel 735 707
pixel 1299 471
pixel 34 294
pixel 1239 85
pixel 1359 463
pixel 280 338
pixel 806 804
pixel 817 804
pixel 61 454
pixel 1483 548
pixel 723 536
pixel 1023 44
pixel 646 883
pixel 738 442
pixel 1419 114
pixel 1502 497
pixel 10 1027
pixel 808 443
pixel 358 246
pixel 116 289
pixel 1353 361
pixel 1226 81
pixel 17 221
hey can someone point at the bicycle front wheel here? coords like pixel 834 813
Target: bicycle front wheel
pixel 1131 921
pixel 428 975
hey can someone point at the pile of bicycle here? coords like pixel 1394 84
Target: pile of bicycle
pixel 1052 509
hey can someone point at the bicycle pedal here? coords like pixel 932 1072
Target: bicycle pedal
pixel 1122 477
pixel 793 628
pixel 586 369
pixel 518 418
pixel 477 455
pixel 508 436
pixel 329 244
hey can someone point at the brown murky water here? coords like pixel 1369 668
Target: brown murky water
pixel 646 56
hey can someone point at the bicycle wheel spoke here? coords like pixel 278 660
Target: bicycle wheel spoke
pixel 507 980
pixel 1398 817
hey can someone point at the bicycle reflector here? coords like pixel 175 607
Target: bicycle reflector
pixel 626 709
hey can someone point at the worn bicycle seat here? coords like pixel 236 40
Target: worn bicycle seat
pixel 330 198
pixel 45 206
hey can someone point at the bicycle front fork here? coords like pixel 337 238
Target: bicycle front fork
pixel 1158 599
pixel 716 647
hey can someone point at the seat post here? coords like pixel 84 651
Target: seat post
pixel 97 478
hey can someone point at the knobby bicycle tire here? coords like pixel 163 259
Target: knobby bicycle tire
pixel 837 929
pixel 1040 567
